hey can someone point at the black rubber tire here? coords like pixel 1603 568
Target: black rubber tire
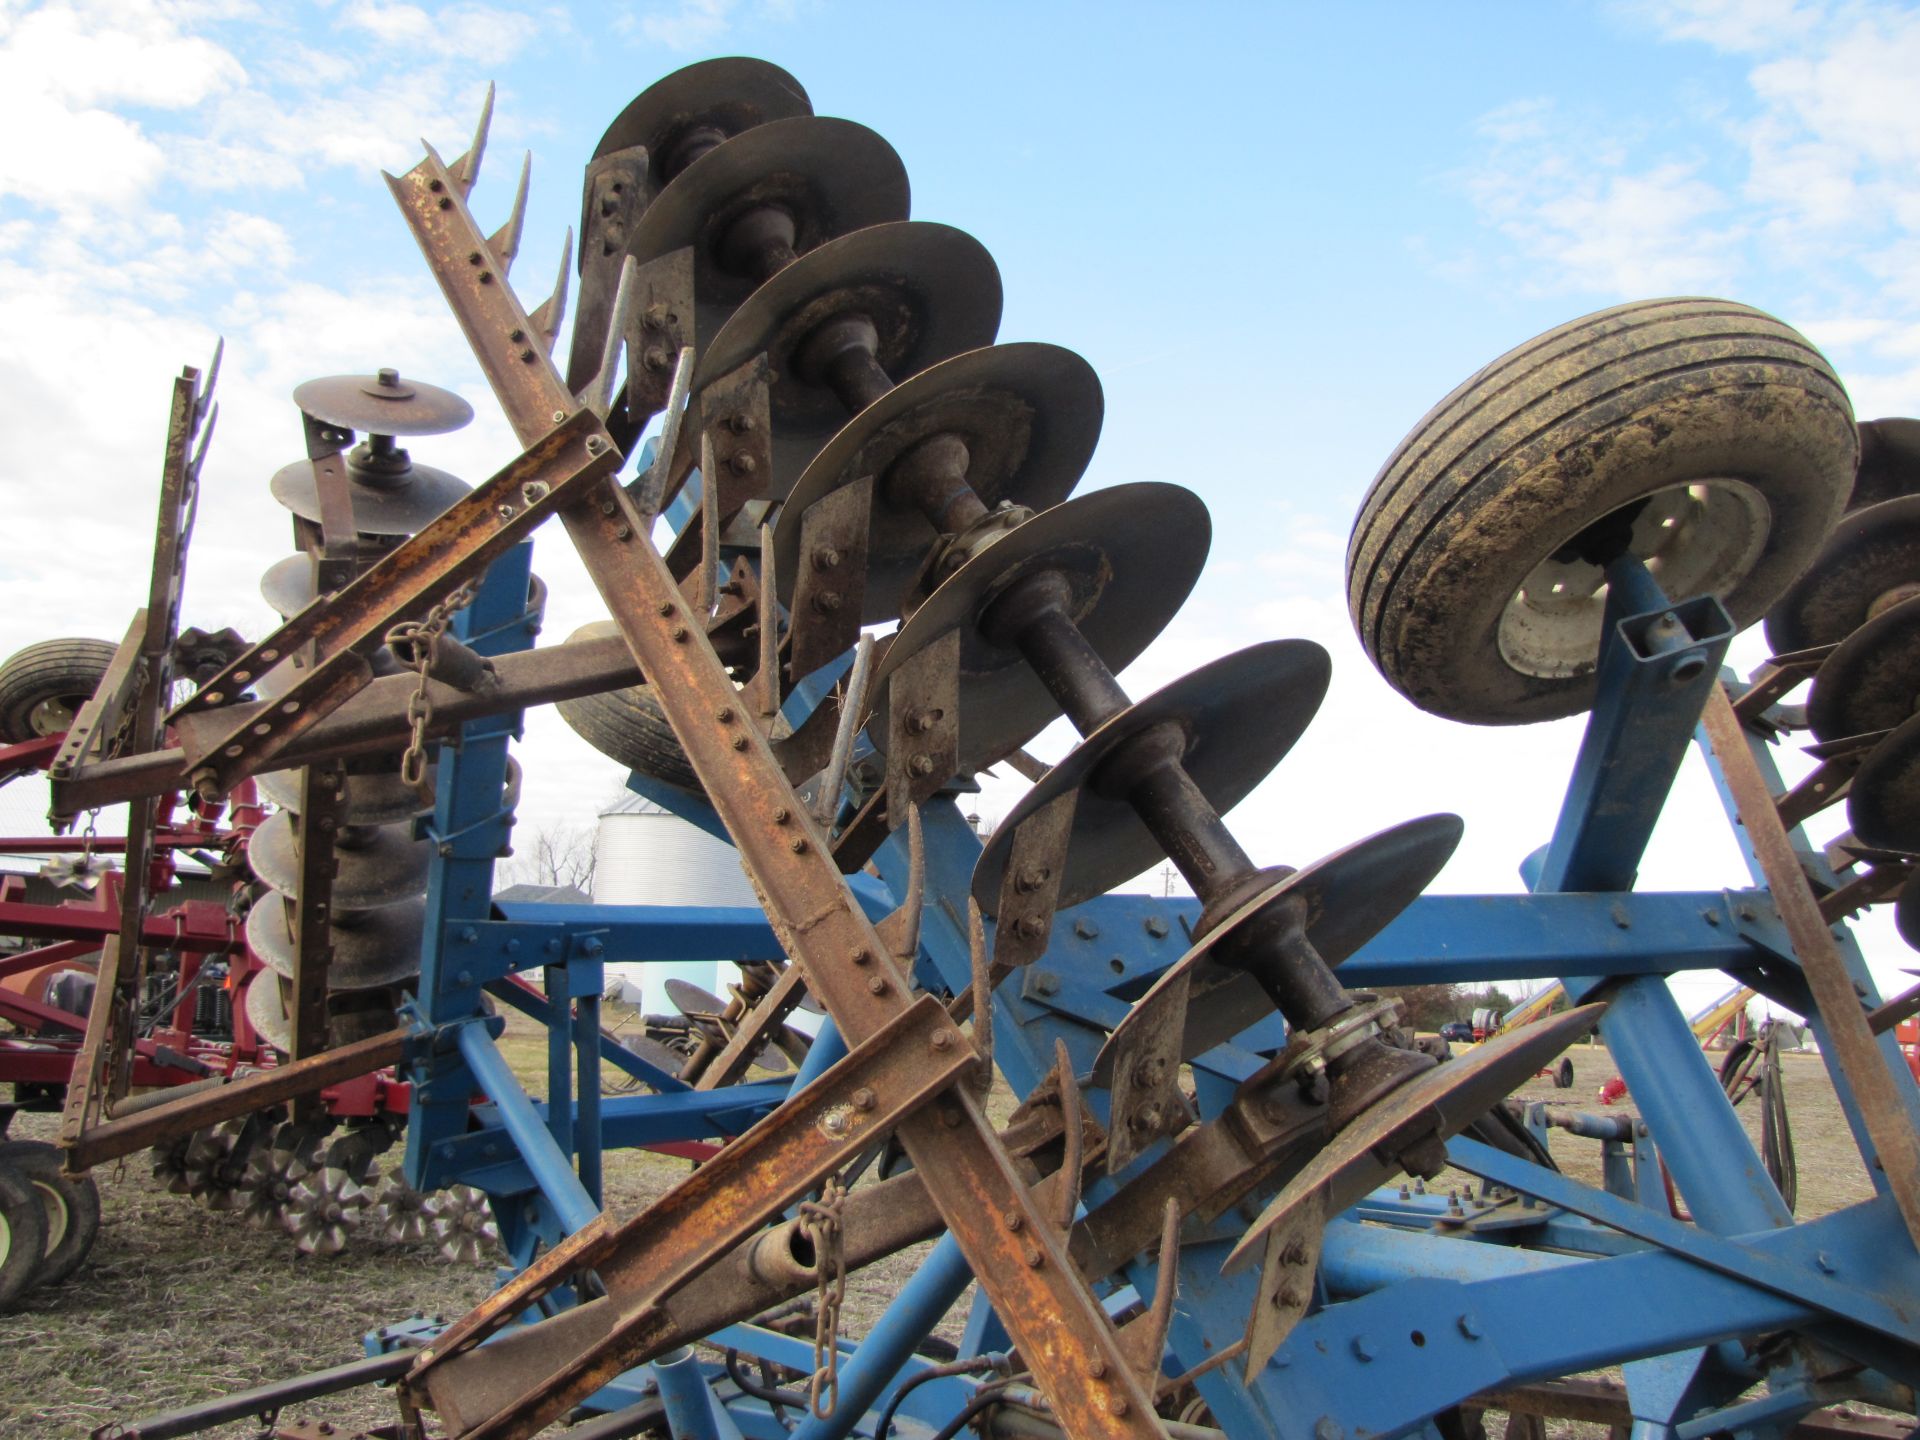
pixel 63 671
pixel 72 1205
pixel 1562 431
pixel 23 1236
pixel 1563 1074
pixel 630 727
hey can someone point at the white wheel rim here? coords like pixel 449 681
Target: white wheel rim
pixel 1696 539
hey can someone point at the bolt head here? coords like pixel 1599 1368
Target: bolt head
pixel 864 1098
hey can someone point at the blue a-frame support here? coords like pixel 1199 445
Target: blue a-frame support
pixel 1412 1316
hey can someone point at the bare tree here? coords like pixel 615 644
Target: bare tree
pixel 555 854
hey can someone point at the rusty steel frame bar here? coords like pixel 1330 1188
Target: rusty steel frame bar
pixel 242 1095
pixel 755 1029
pixel 456 546
pixel 645 1260
pixel 136 681
pixel 322 801
pixel 375 718
pixel 1061 1329
pixel 1882 1110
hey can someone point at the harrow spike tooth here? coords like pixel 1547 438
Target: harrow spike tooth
pixel 769 621
pixel 504 243
pixel 653 485
pixel 709 527
pixel 203 397
pixel 913 907
pixel 597 395
pixel 852 703
pixel 550 312
pixel 981 966
pixel 466 169
pixel 1072 1135
pixel 206 438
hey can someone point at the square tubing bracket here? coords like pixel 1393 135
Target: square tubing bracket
pixel 1656 669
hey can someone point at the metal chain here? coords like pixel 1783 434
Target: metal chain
pixel 821 1221
pixel 416 643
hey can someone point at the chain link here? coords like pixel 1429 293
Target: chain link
pixel 820 1219
pixel 417 643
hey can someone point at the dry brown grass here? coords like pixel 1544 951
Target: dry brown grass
pixel 179 1303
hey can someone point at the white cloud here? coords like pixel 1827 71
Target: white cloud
pixel 1799 192
pixel 688 25
pixel 1740 26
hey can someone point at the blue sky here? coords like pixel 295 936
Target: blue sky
pixel 1279 232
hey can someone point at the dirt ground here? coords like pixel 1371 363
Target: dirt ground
pixel 178 1303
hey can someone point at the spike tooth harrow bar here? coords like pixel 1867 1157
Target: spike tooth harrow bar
pixel 891 451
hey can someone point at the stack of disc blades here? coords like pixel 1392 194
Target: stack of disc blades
pixel 379 890
pixel 1859 603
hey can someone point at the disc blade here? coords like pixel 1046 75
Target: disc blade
pixel 1441 1101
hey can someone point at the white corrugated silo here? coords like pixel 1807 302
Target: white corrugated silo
pixel 647 855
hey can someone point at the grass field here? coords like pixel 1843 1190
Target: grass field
pixel 179 1303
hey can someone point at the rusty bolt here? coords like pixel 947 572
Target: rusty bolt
pixel 505 512
pixel 864 1098
pixel 1031 926
pixel 739 742
pixel 655 358
pixel 1118 1406
pixel 826 602
pixel 1097 1367
pixel 782 815
pixel 826 558
pixel 1032 878
pixel 1014 1220
pixel 623 531
pixel 921 765
pixel 1033 1257
pixel 742 424
pixel 922 721
pixel 743 464
pixel 1285 1298
pixel 607 507
pixel 941 1039
pixel 860 955
pixel 680 634
pixel 834 1123
pixel 1147 1118
pixel 595 444
pixel 877 985
pixel 666 607
pixel 798 844
pixel 724 714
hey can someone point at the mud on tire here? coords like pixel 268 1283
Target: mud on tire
pixel 1729 426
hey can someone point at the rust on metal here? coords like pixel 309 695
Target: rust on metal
pixel 900 1068
pixel 372 720
pixel 408 581
pixel 113 1138
pixel 1868 1075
